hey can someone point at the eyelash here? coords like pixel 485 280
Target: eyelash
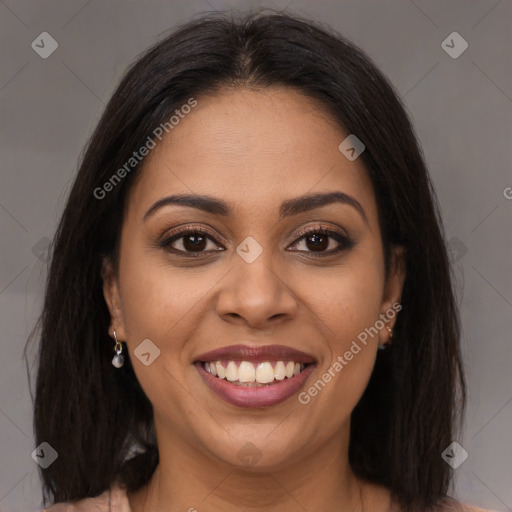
pixel 345 243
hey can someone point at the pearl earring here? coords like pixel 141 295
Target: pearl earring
pixel 382 347
pixel 118 359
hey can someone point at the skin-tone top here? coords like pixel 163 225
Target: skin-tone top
pixel 116 500
pixel 112 500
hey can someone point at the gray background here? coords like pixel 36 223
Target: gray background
pixel 462 111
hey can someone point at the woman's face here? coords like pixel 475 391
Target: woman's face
pixel 254 279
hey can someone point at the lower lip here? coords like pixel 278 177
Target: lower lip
pixel 264 396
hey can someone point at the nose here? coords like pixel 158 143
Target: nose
pixel 256 294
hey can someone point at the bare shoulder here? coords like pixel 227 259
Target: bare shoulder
pixel 57 507
pixel 113 499
pixel 85 505
pixel 471 508
pixel 97 504
pixel 78 506
pixel 378 497
pixel 457 506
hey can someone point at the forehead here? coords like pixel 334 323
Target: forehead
pixel 253 148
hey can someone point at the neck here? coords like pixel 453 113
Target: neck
pixel 188 479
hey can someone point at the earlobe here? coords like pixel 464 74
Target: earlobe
pixel 112 298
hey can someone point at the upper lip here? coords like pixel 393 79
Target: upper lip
pixel 256 354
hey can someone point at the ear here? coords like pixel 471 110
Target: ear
pixel 113 300
pixel 393 290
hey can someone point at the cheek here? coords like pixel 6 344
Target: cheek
pixel 156 298
pixel 159 304
pixel 347 306
pixel 349 299
pixel 344 312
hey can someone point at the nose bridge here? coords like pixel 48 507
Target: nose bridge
pixel 255 291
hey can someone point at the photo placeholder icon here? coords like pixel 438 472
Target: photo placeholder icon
pixel 249 249
pixel 351 147
pixel 44 45
pixel 44 455
pixel 454 455
pixel 40 249
pixel 457 249
pixel 454 45
pixel 249 454
pixel 146 352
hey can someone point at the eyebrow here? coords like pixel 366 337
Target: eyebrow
pixel 288 208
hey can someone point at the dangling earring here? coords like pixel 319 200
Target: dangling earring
pixel 118 359
pixel 382 347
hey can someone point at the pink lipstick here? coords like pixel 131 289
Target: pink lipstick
pixel 255 376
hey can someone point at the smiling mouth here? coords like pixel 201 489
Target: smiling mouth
pixel 254 375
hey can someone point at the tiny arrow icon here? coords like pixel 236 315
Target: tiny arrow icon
pixel 351 147
pixel 44 455
pixel 249 249
pixel 44 45
pixel 454 45
pixel 147 352
pixel 249 454
pixel 454 455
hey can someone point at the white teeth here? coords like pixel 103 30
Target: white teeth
pixel 264 373
pixel 221 372
pixel 247 373
pixel 279 371
pixel 231 372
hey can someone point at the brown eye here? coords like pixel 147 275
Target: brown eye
pixel 194 242
pixel 191 241
pixel 317 242
pixel 324 242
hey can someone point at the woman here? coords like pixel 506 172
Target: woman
pixel 249 305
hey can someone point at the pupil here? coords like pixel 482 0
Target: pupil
pixel 197 243
pixel 319 241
